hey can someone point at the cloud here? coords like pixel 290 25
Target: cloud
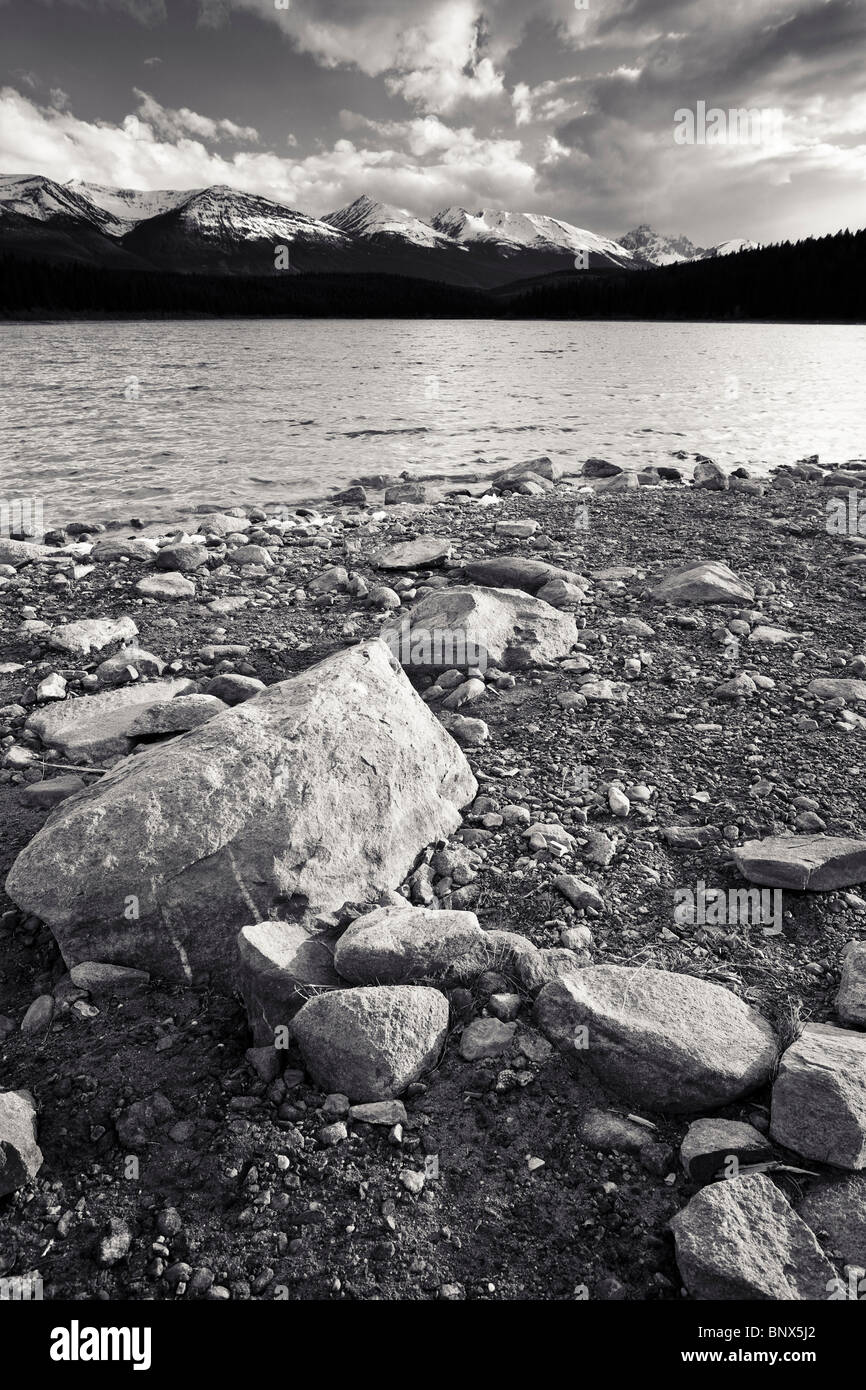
pixel 433 53
pixel 174 124
pixel 421 163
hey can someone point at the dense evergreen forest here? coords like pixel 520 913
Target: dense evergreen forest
pixel 820 279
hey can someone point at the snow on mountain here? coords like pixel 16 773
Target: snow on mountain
pixel 730 248
pixel 129 206
pixel 366 218
pixel 33 195
pixel 526 230
pixel 658 249
pixel 652 246
pixel 222 213
pixel 223 229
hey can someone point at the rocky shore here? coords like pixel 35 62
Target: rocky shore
pixel 447 892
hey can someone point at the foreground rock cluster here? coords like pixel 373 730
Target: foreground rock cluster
pixel 367 826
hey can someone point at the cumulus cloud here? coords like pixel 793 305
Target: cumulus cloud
pixel 421 163
pixel 174 124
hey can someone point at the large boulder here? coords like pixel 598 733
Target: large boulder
pixel 706 581
pixel 815 862
pixel 91 635
pixel 476 627
pixel 819 1097
pixel 107 548
pixel 394 945
pixel 19 553
pixel 710 1145
pixel 836 688
pixel 743 1240
pixel 370 1044
pixel 542 467
pixel 20 1155
pixel 321 790
pixel 281 964
pixel 669 1042
pixel 836 1212
pixel 223 524
pixel 96 727
pixel 515 572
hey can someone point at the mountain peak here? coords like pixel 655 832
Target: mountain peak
pixel 367 218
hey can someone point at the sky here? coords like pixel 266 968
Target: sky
pixel 564 107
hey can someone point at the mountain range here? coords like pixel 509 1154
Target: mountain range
pixel 223 231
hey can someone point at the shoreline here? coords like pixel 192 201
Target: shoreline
pixel 701 773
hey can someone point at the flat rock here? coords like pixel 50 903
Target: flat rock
pixel 321 790
pixel 519 530
pixel 517 572
pixel 108 548
pixel 223 524
pixel 836 1212
pixel 108 981
pixel 370 1044
pixel 667 1041
pixel 281 964
pixel 96 727
pixel 819 1097
pixel 838 687
pixel 379 1112
pixel 742 1240
pixel 413 555
pixel 710 1144
pixel 608 1131
pixel 51 791
pixel 486 1037
pixel 816 862
pixel 176 716
pixel 22 552
pixel 20 1155
pixel 168 586
pixel 851 999
pixel 91 635
pixel 707 581
pixel 504 626
pixel 395 945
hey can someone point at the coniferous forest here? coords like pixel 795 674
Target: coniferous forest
pixel 819 279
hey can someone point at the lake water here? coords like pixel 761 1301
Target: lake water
pixel 110 420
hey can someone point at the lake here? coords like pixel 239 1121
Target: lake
pixel 115 419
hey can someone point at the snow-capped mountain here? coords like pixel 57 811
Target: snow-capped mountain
pixel 221 230
pixel 512 232
pixel 652 246
pixel 32 195
pixel 732 247
pixel 366 218
pixel 128 206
